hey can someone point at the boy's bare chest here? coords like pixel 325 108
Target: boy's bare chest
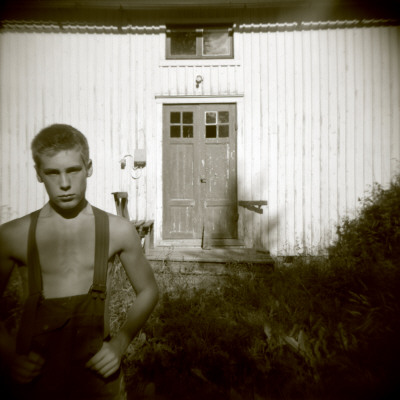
pixel 66 253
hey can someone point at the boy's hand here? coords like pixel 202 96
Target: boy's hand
pixel 106 361
pixel 26 367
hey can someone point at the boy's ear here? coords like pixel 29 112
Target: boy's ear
pixel 38 177
pixel 89 168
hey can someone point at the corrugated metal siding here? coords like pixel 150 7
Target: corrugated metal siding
pixel 317 124
pixel 100 83
pixel 219 79
pixel 325 106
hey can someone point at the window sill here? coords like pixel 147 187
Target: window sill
pixel 201 63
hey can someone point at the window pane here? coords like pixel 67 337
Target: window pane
pixel 211 117
pixel 211 131
pixel 175 131
pixel 175 118
pixel 187 118
pixel 223 130
pixel 183 43
pixel 223 117
pixel 187 131
pixel 216 43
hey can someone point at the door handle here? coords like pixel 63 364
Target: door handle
pixel 203 180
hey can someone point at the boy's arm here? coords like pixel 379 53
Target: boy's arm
pixel 140 274
pixel 6 260
pixel 22 368
pixel 7 342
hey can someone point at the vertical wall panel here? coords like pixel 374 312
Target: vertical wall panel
pixel 367 129
pixel 255 136
pixel 247 217
pixel 376 104
pixel 4 137
pixel 332 132
pixel 274 207
pixel 316 137
pixel 281 125
pixel 264 143
pixel 323 132
pixel 298 142
pixel 359 112
pixel 306 123
pixel 391 42
pixel 341 105
pixel 350 121
pixel 290 100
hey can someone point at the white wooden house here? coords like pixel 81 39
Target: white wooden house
pixel 251 123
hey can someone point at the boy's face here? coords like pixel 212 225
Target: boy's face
pixel 64 175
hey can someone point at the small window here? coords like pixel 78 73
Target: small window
pixel 181 124
pixel 185 42
pixel 217 124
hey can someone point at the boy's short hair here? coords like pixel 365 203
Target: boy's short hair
pixel 58 137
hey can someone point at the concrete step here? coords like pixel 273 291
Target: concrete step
pixel 217 254
pixel 215 261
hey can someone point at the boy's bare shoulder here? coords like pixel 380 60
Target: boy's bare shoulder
pixel 14 237
pixel 123 233
pixel 15 226
pixel 120 225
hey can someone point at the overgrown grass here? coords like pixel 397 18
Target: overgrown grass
pixel 303 332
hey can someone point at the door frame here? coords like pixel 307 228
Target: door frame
pixel 158 154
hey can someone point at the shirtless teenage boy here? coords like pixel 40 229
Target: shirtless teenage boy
pixel 63 350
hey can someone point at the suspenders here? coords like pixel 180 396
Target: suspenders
pixel 98 289
pixel 102 228
pixel 34 271
pixel 35 290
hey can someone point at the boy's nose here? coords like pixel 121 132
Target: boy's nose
pixel 65 183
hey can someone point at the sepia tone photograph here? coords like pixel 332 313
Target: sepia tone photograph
pixel 199 199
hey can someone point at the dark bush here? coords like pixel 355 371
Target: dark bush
pixel 373 237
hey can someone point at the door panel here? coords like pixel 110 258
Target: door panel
pixel 180 170
pixel 199 172
pixel 220 170
pixel 179 177
pixel 180 166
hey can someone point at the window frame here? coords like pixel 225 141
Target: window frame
pixel 198 30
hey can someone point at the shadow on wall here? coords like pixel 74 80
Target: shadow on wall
pixel 262 238
pixel 270 241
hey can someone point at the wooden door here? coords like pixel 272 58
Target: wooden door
pixel 199 172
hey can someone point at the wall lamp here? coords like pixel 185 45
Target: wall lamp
pixel 199 79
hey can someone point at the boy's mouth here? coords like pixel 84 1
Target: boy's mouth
pixel 66 197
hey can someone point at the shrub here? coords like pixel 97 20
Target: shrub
pixel 373 237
